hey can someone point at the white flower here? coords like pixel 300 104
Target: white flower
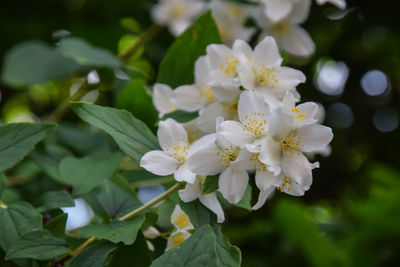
pixel 230 18
pixel 283 149
pixel 176 14
pixel 195 191
pixel 221 157
pixel 177 238
pixel 306 113
pixel 277 10
pixel 162 94
pixel 151 233
pixel 264 74
pixel 173 158
pixel 339 3
pixel 180 220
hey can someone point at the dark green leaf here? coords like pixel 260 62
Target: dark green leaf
pixel 135 98
pixel 244 203
pixel 57 225
pixel 227 255
pixel 177 67
pixel 181 116
pixel 34 62
pixel 198 214
pixel 115 231
pixel 39 245
pixel 17 139
pixel 131 134
pixel 87 173
pixel 197 251
pixel 94 256
pixel 210 184
pixel 55 199
pixel 2 183
pixel 84 53
pixel 15 221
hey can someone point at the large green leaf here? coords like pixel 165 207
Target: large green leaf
pixel 55 199
pixel 84 53
pixel 198 214
pixel 57 225
pixel 210 184
pixel 131 134
pixel 87 173
pixel 2 183
pixel 115 231
pixel 39 245
pixel 15 221
pixel 94 256
pixel 227 255
pixel 135 98
pixel 177 67
pixel 34 62
pixel 17 139
pixel 197 251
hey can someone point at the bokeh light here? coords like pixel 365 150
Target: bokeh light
pixel 331 77
pixel 374 83
pixel 340 115
pixel 385 120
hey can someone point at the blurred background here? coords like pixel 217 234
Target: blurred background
pixel 351 215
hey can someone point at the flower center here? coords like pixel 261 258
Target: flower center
pixel 230 109
pixel 290 145
pixel 230 65
pixel 281 28
pixel 258 165
pixel 227 155
pixel 234 11
pixel 266 76
pixel 255 124
pixel 206 94
pixel 178 239
pixel 177 10
pixel 180 151
pixel 300 116
pixel 287 182
pixel 182 221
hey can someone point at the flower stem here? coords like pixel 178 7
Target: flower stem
pixel 131 214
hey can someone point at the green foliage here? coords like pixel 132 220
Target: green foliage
pixel 2 183
pixel 177 67
pixel 18 139
pixel 57 225
pixel 210 184
pixel 131 134
pixel 38 245
pixel 53 200
pixel 87 173
pixel 95 255
pixel 198 214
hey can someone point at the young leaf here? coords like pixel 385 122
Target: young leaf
pixel 131 134
pixel 210 184
pixel 177 67
pixel 84 53
pixel 57 225
pixel 17 139
pixel 197 251
pixel 55 199
pixel 38 245
pixel 16 220
pixel 89 172
pixel 94 256
pixel 115 231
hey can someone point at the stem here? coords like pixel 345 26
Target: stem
pixel 146 36
pixel 131 214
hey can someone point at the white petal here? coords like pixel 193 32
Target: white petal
pixel 265 179
pixel 278 9
pixel 183 173
pixel 339 3
pixel 310 109
pixel 247 76
pixel 201 70
pixel 263 196
pixel 233 184
pixel 289 79
pixel 180 219
pixel 205 141
pixel 298 168
pixel 249 104
pixel 289 100
pixel 225 91
pixel 271 151
pixel 242 50
pixel 177 27
pixel 205 161
pixel 243 162
pixel 212 203
pixel 233 132
pixel 266 53
pixel 289 186
pixel 300 11
pixel 171 133
pixel 190 193
pixel 281 122
pixel 151 233
pixel 162 99
pixel 314 137
pixel 217 54
pixel 187 98
pixel 159 163
pixel 208 115
pixel 298 42
pixel 176 239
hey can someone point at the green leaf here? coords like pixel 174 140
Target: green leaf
pixel 18 139
pixel 227 255
pixel 94 256
pixel 131 134
pixel 57 225
pixel 15 221
pixel 87 173
pixel 210 184
pixel 177 67
pixel 115 231
pixel 39 245
pixel 244 203
pixel 34 62
pixel 135 98
pixel 198 214
pixel 2 183
pixel 84 53
pixel 55 199
pixel 197 251
pixel 181 116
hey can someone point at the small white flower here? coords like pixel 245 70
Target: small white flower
pixel 177 14
pixel 151 233
pixel 339 3
pixel 173 158
pixel 306 113
pixel 290 36
pixel 162 95
pixel 195 191
pixel 277 10
pixel 180 220
pixel 264 74
pixel 177 238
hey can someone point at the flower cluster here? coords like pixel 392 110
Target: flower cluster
pixel 278 18
pixel 249 122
